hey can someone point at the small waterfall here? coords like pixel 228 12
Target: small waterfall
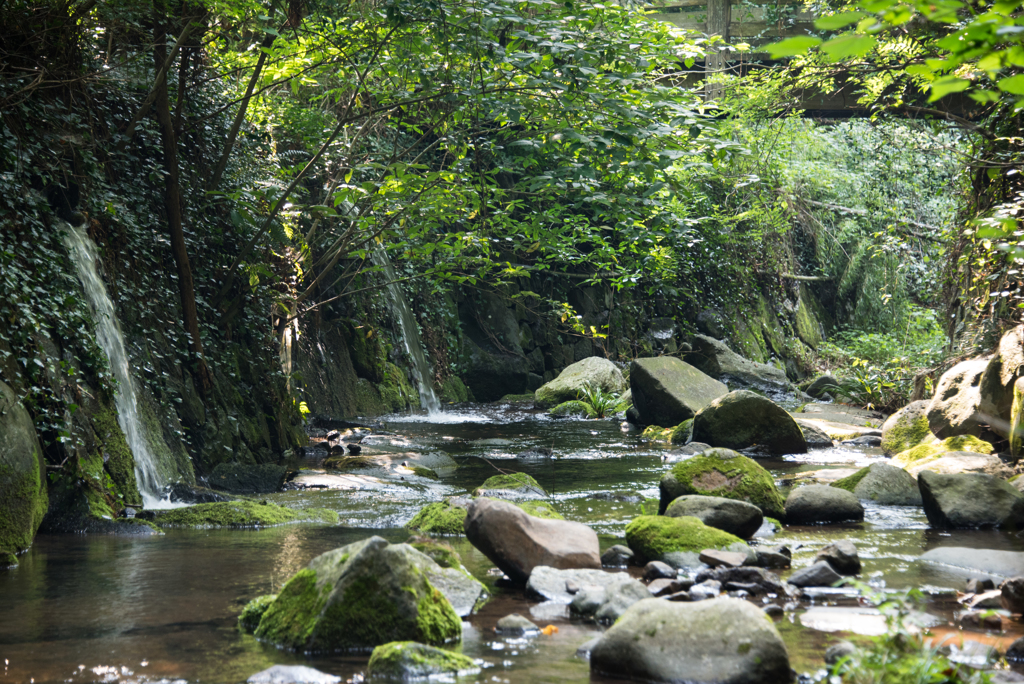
pixel 85 255
pixel 410 333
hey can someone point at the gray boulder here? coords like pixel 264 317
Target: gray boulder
pixel 23 498
pixel 516 625
pixel 492 359
pixel 822 385
pixel 815 437
pixel 970 501
pixel 842 556
pixel 735 517
pixel 819 574
pixel 969 562
pixel 594 371
pixel 667 391
pixel 884 484
pixel 906 428
pixel 816 504
pixel 659 570
pixel 517 542
pixel 996 386
pixel 725 641
pixel 743 419
pixel 955 408
pixel 560 586
pixel 606 603
pixel 716 359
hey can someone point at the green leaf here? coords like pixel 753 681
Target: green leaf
pixel 838 21
pixel 789 47
pixel 946 85
pixel 1012 84
pixel 850 45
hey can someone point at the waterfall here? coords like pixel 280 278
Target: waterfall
pixel 410 333
pixel 84 254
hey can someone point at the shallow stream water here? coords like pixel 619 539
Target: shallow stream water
pixel 110 608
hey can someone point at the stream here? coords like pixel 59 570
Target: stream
pixel 87 608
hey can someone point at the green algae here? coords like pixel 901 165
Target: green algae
pixel 652 536
pixel 440 552
pixel 540 509
pixel 425 472
pixel 573 407
pixel 680 434
pixel 512 481
pixel 241 514
pixel 906 434
pixel 252 613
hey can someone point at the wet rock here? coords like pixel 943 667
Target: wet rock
pixel 584 650
pixel 359 596
pixel 884 484
pixel 743 419
pixel 986 599
pixel 822 385
pixel 595 371
pixel 515 625
pixel 820 574
pixel 774 610
pixel 969 501
pixel 1015 652
pixel 961 463
pixel 865 440
pixel 354 449
pixel 240 514
pixel 722 473
pixel 665 586
pixel 180 492
pixel 906 428
pixel 292 674
pixel 514 486
pixel 617 556
pixel 998 563
pixel 757 581
pixel 658 570
pixel 976 619
pixel 822 504
pixel 536 452
pixel 815 437
pixel 715 558
pixel 772 559
pixel 1012 594
pixel 838 651
pixel 976 585
pixel 708 589
pixel 517 542
pixel 723 640
pixel 553 584
pixel 248 478
pixel 606 603
pixel 842 556
pixel 667 391
pixel 405 660
pixel 628 497
pixel 954 409
pixel 23 496
pixel 675 540
pixel 735 517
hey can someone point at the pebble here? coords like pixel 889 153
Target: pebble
pixel 658 570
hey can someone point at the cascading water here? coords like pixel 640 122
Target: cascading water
pixel 84 254
pixel 410 333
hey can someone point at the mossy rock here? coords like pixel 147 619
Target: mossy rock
pixel 23 493
pixel 441 517
pixel 681 433
pixel 344 463
pixel 241 514
pixel 516 399
pixel 573 408
pixel 405 660
pixel 428 473
pixel 540 509
pixel 907 428
pixel 933 450
pixel 453 391
pixel 440 552
pixel 250 617
pixel 511 486
pixel 725 473
pixel 850 482
pixel 883 483
pixel 653 537
pixel 742 419
pixel 658 434
pixel 395 391
pixel 360 596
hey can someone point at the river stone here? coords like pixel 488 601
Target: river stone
pixel 606 603
pixel 969 501
pixel 552 584
pixel 722 473
pixel 815 437
pixel 617 556
pixel 716 359
pixel 1012 594
pixel 724 641
pixel 996 563
pixel 996 386
pixel 667 391
pixel 595 371
pixel 962 463
pixel 248 478
pixel 735 517
pixel 906 428
pixel 821 385
pixel 292 674
pixel 1015 651
pixel 819 574
pixel 954 410
pixel 676 541
pixel 659 570
pixel 743 419
pixel 516 625
pixel 515 486
pixel 517 542
pixel 405 660
pixel 842 556
pixel 884 484
pixel 814 504
pixel 759 580
pixel 23 498
pixel 359 596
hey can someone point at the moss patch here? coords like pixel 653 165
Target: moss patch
pixel 656 433
pixel 652 536
pixel 927 452
pixel 906 434
pixel 850 483
pixel 403 660
pixel 250 617
pixel 425 472
pixel 725 473
pixel 440 552
pixel 680 434
pixel 119 462
pixel 540 509
pixel 290 619
pixel 241 514
pixel 512 481
pixel 516 399
pixel 454 391
pixel 439 518
pixel 573 408
pixel 395 391
pixel 348 462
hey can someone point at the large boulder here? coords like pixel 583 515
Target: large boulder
pixel 676 541
pixel 743 419
pixel 956 407
pixel 23 497
pixel 517 542
pixel 884 484
pixel 667 391
pixel 822 504
pixel 716 359
pixel 724 641
pixel 735 517
pixel 360 596
pixel 962 462
pixel 996 386
pixel 595 371
pixel 906 428
pixel 724 473
pixel 492 358
pixel 970 501
pixel 931 450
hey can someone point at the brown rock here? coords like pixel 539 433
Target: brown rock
pixel 716 558
pixel 517 542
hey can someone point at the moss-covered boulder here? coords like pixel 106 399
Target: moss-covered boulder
pixel 252 613
pixel 906 428
pixel 884 484
pixel 667 391
pixel 595 371
pixel 23 498
pixel 540 509
pixel 573 408
pixel 511 486
pixel 743 419
pixel 241 514
pixel 405 660
pixel 657 537
pixel 360 596
pixel 922 453
pixel 725 473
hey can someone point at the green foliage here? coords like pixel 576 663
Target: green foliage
pixel 600 404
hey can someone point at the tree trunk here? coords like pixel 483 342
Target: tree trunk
pixel 175 218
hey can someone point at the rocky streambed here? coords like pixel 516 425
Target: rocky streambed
pixel 113 608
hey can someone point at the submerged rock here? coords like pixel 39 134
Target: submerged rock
pixel 721 640
pixel 404 660
pixel 23 498
pixel 884 484
pixel 360 596
pixel 515 625
pixel 595 371
pixel 822 504
pixel 724 473
pixel 517 542
pixel 241 514
pixel 906 428
pixel 1011 594
pixel 667 391
pixel 997 563
pixel 676 541
pixel 735 517
pixel 968 501
pixel 743 419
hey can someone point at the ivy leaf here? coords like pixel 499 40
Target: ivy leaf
pixel 789 47
pixel 850 45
